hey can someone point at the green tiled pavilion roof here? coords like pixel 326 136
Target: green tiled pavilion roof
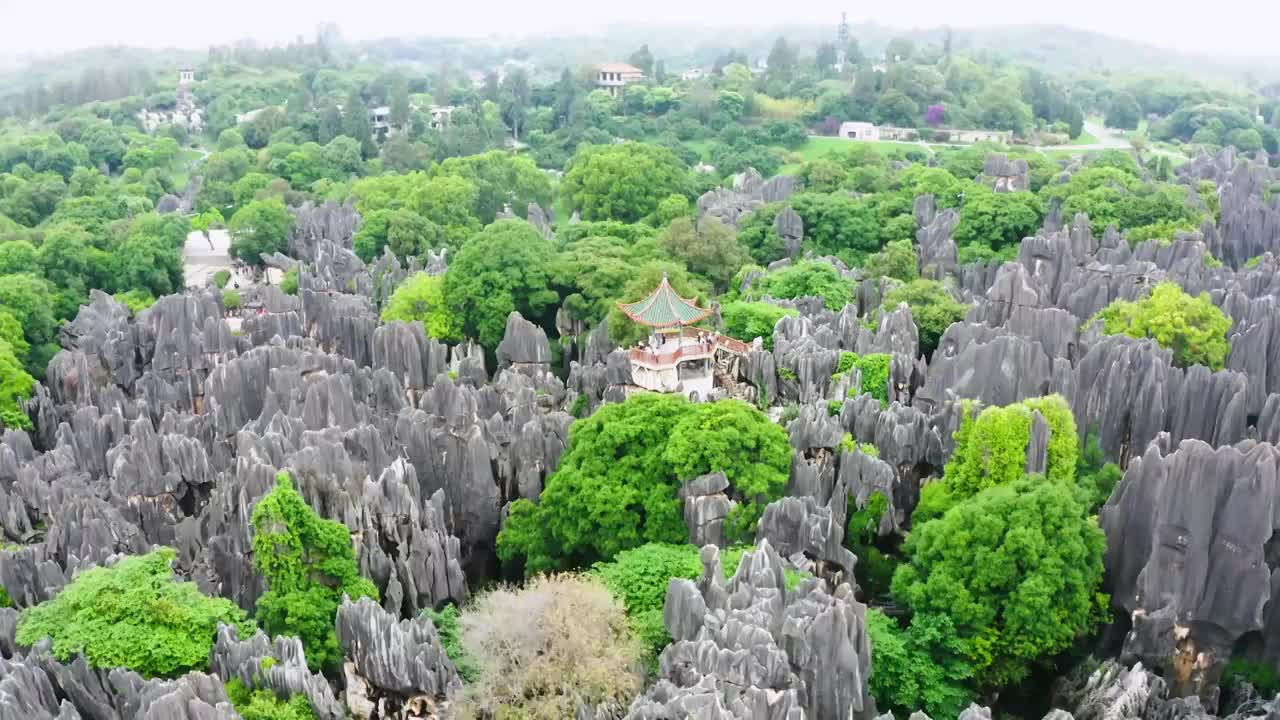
pixel 664 308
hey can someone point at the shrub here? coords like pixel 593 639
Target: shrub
pixel 747 321
pixel 289 283
pixel 917 668
pixel 932 308
pixel 221 278
pixel 639 577
pixel 136 300
pixel 1034 590
pixel 579 407
pixel 1192 327
pixel 991 449
pixel 449 626
pixel 615 487
pixel 807 279
pixel 896 260
pixel 230 300
pixel 1262 676
pixel 309 565
pixel 874 369
pixel 875 569
pixel 545 650
pixel 134 615
pixel 264 705
pixel 421 298
pixel 1098 478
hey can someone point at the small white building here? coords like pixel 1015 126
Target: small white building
pixel 380 120
pixel 694 74
pixel 441 115
pixel 859 131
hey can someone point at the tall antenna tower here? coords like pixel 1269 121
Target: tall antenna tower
pixel 842 41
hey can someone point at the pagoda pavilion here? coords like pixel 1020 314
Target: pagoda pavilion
pixel 676 357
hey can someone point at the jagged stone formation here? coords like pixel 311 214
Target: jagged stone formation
pixel 166 427
pixel 392 664
pixel 749 191
pixel 749 648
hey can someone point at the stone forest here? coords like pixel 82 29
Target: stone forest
pixel 340 383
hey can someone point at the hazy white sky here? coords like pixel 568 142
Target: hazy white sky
pixel 1240 26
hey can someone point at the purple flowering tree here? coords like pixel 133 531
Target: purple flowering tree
pixel 935 114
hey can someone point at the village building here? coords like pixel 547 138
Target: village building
pixel 859 131
pixel 380 120
pixel 440 116
pixel 677 357
pixel 614 77
pixel 853 130
pixel 692 74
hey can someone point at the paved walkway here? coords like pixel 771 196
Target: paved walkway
pixel 203 257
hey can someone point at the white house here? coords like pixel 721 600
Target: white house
pixel 613 77
pixel 859 131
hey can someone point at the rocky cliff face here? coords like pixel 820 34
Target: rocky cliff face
pixel 750 648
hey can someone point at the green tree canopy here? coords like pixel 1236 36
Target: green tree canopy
pixel 260 228
pixel 407 233
pixel 500 178
pixel 710 249
pixel 991 447
pixel 1016 571
pixel 1192 327
pixel 623 182
pixel 896 260
pixel 747 321
pixel 134 615
pixel 1124 112
pixel 19 256
pixel 932 308
pixel 997 220
pixel 806 279
pixel 421 298
pixel 919 668
pixel 15 383
pixel 308 565
pixel 505 267
pixel 616 486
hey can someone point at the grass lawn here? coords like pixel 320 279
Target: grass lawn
pixel 817 147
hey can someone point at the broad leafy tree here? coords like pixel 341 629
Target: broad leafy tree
pixel 133 615
pixel 1035 590
pixel 260 228
pixel 1192 327
pixel 505 267
pixel 932 308
pixel 421 298
pixel 623 182
pixel 709 249
pixel 747 321
pixel 616 486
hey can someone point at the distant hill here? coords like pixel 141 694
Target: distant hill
pixel 1059 48
pixel 1070 48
